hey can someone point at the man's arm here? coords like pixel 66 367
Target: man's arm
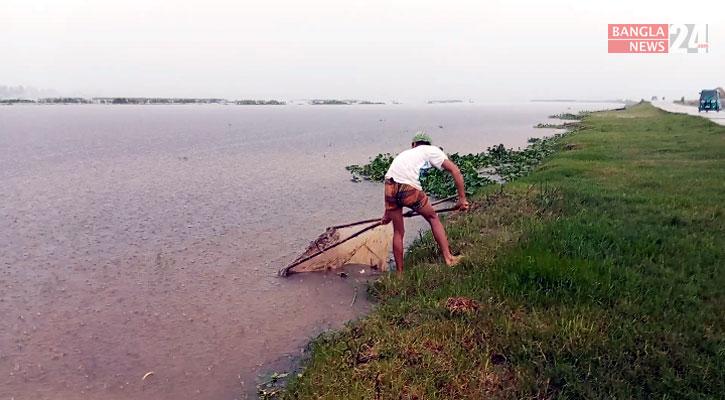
pixel 449 166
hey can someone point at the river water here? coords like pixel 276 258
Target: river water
pixel 147 238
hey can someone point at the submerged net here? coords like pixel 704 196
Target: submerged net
pixel 358 244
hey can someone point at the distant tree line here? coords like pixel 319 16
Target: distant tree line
pixel 343 102
pixel 16 101
pixel 166 100
pixel 155 100
pixel 329 102
pixel 260 102
pixel 64 100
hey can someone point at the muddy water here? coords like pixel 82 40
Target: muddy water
pixel 147 238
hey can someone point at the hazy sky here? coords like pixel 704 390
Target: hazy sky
pixel 365 49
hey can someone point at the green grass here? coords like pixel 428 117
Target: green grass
pixel 600 275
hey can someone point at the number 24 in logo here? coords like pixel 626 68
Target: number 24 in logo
pixel 688 38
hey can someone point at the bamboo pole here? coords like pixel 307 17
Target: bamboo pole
pixel 410 213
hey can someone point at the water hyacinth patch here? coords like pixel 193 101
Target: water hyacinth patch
pixel 570 116
pixel 478 170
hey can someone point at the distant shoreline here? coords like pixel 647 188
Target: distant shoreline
pixel 202 101
pixel 183 101
pixel 576 101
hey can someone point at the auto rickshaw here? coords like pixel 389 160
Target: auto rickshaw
pixel 710 100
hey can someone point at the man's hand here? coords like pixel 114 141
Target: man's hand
pixel 385 219
pixel 462 204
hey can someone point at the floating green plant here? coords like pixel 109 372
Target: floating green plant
pixel 477 169
pixel 570 116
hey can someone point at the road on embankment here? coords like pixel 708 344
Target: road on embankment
pixel 717 117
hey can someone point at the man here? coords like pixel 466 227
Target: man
pixel 403 189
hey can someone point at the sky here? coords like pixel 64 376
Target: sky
pixel 366 49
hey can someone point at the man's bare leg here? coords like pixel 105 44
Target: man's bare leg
pixel 439 233
pixel 398 234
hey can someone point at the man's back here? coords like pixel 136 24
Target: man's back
pixel 408 165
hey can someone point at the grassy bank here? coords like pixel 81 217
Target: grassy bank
pixel 600 275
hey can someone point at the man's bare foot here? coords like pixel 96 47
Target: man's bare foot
pixel 453 260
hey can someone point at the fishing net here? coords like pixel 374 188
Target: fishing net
pixel 366 244
pixel 363 242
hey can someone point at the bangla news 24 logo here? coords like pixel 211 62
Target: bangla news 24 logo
pixel 657 38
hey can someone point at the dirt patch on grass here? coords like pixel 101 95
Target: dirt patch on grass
pixel 497 384
pixel 460 305
pixel 367 352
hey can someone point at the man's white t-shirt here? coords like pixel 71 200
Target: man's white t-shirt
pixel 409 165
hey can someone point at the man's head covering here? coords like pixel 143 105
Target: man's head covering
pixel 422 136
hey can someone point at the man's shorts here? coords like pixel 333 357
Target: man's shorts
pixel 399 195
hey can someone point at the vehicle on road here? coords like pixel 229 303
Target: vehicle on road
pixel 710 100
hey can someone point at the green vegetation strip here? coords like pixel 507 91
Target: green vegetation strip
pixel 571 116
pixel 600 275
pixel 477 169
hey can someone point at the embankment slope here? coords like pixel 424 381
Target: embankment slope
pixel 600 275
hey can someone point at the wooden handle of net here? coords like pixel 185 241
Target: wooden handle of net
pixel 408 214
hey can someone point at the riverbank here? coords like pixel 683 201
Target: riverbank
pixel 600 275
